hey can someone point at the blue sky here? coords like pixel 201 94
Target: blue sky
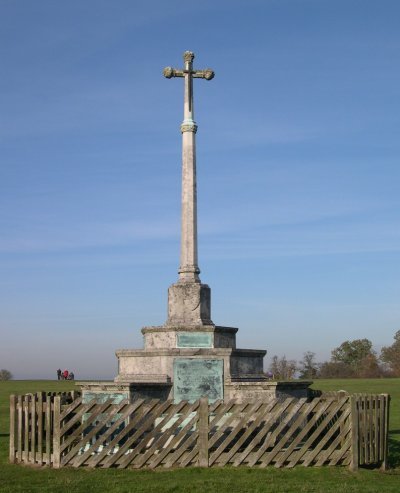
pixel 298 174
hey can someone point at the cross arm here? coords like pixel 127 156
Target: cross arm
pixel 170 72
pixel 207 74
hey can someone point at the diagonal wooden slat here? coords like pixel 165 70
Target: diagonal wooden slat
pixel 145 423
pixel 101 418
pixel 191 457
pixel 220 414
pixel 213 407
pixel 157 437
pixel 325 438
pixel 70 408
pixel 229 417
pixel 135 410
pixel 179 439
pixel 260 435
pixel 344 449
pixel 185 444
pixel 296 421
pixel 132 422
pixel 324 455
pixel 105 421
pixel 304 430
pixel 249 429
pixel 95 414
pixel 231 436
pixel 332 410
pixel 291 406
pixel 341 456
pixel 136 435
pixel 77 417
pixel 164 442
pixel 326 404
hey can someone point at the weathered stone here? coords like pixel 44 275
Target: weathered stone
pixel 190 357
pixel 189 304
pixel 167 336
pixel 195 378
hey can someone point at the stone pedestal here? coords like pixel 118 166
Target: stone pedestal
pixel 189 357
pixel 189 303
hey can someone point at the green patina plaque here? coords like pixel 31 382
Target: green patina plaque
pixel 195 378
pixel 102 397
pixel 194 339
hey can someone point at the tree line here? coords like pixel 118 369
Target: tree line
pixel 354 358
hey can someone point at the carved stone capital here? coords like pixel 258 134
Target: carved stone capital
pixel 208 74
pixel 168 72
pixel 189 127
pixel 188 56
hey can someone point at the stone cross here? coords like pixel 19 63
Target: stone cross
pixel 189 270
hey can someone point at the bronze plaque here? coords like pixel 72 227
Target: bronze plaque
pixel 194 339
pixel 195 378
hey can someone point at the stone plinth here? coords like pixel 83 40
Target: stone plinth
pixel 212 336
pixel 189 303
pixel 135 364
pixel 246 388
pixel 242 390
pixel 101 391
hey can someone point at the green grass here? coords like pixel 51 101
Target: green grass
pixel 14 478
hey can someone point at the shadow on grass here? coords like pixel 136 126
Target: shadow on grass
pixel 4 435
pixel 394 451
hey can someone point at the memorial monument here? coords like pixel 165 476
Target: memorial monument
pixel 189 356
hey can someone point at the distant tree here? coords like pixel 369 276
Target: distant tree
pixel 370 367
pixel 353 353
pixel 391 355
pixel 282 369
pixel 5 375
pixel 308 366
pixel 335 369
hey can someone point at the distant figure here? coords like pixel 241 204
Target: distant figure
pixel 59 374
pixel 65 374
pixel 71 375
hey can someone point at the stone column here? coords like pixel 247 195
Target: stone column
pixel 189 270
pixel 189 301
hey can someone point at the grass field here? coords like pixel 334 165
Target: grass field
pixel 14 478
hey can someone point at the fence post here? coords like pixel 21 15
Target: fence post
pixel 20 428
pixel 203 432
pixel 39 398
pixel 341 394
pixel 25 455
pixel 56 432
pixel 33 428
pixel 354 434
pixel 385 437
pixel 13 402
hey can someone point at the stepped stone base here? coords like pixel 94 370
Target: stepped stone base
pixel 190 357
pixel 240 391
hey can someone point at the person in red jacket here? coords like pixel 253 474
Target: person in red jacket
pixel 65 374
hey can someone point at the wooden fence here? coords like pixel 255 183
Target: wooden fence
pixel 334 429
